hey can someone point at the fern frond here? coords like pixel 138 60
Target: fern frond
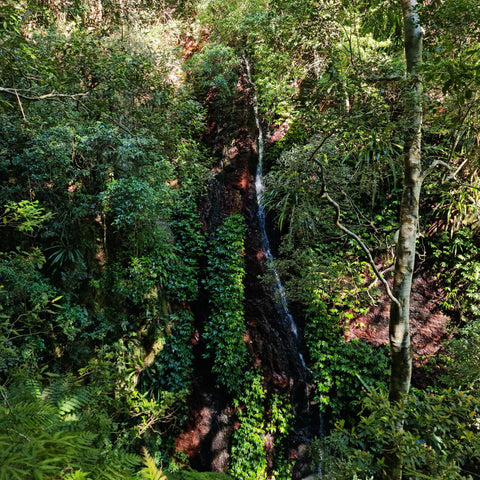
pixel 24 389
pixel 114 473
pixel 27 414
pixel 75 402
pixel 9 472
pixel 33 387
pixel 67 395
pixel 56 391
pixel 131 460
pixel 150 470
pixel 86 438
pixel 43 432
pixel 78 475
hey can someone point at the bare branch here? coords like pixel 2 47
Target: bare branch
pixel 452 176
pixel 353 235
pixel 46 96
pixel 433 166
pixel 361 244
pixel 20 105
pixel 390 268
pixel 460 167
pixel 319 146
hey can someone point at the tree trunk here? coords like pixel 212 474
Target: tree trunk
pixel 399 330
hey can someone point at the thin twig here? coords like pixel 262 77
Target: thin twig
pixel 361 244
pixel 319 146
pixel 390 268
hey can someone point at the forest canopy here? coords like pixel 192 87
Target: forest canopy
pixel 140 332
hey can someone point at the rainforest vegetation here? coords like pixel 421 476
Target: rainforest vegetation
pixel 140 330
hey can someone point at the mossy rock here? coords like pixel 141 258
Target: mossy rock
pixel 197 476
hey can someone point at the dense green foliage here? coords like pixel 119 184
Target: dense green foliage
pixel 51 432
pixel 341 369
pixel 261 419
pixel 225 328
pixel 104 259
pixel 440 436
pixel 329 80
pixel 100 167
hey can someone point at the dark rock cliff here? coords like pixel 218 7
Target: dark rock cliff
pixel 232 139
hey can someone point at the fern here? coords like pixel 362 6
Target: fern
pixel 185 475
pixel 23 389
pixel 150 470
pixel 114 473
pixel 9 472
pixel 78 475
pixel 44 432
pixel 67 395
pixel 30 414
pixel 79 400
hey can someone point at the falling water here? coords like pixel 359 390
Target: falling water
pixel 280 296
pixel 309 423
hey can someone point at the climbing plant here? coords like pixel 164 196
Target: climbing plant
pixel 264 425
pixel 224 331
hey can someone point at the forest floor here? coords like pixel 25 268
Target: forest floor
pixel 428 325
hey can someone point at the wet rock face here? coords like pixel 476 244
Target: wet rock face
pixel 207 440
pixel 232 137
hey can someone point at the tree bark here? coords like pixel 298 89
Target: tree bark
pixel 399 329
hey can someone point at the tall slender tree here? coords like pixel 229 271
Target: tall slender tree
pixel 399 330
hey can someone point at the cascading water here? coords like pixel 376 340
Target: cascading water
pixel 280 296
pixel 308 423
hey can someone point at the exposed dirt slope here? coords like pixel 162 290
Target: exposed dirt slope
pixel 428 325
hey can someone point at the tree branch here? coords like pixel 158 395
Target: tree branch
pixel 432 167
pixel 46 96
pixel 318 147
pixel 20 105
pixel 353 235
pixel 452 176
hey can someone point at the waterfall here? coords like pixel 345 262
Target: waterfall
pixel 308 422
pixel 279 291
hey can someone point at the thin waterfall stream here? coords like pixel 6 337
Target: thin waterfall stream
pixel 279 291
pixel 308 422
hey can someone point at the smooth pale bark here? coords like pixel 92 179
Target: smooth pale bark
pixel 405 252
